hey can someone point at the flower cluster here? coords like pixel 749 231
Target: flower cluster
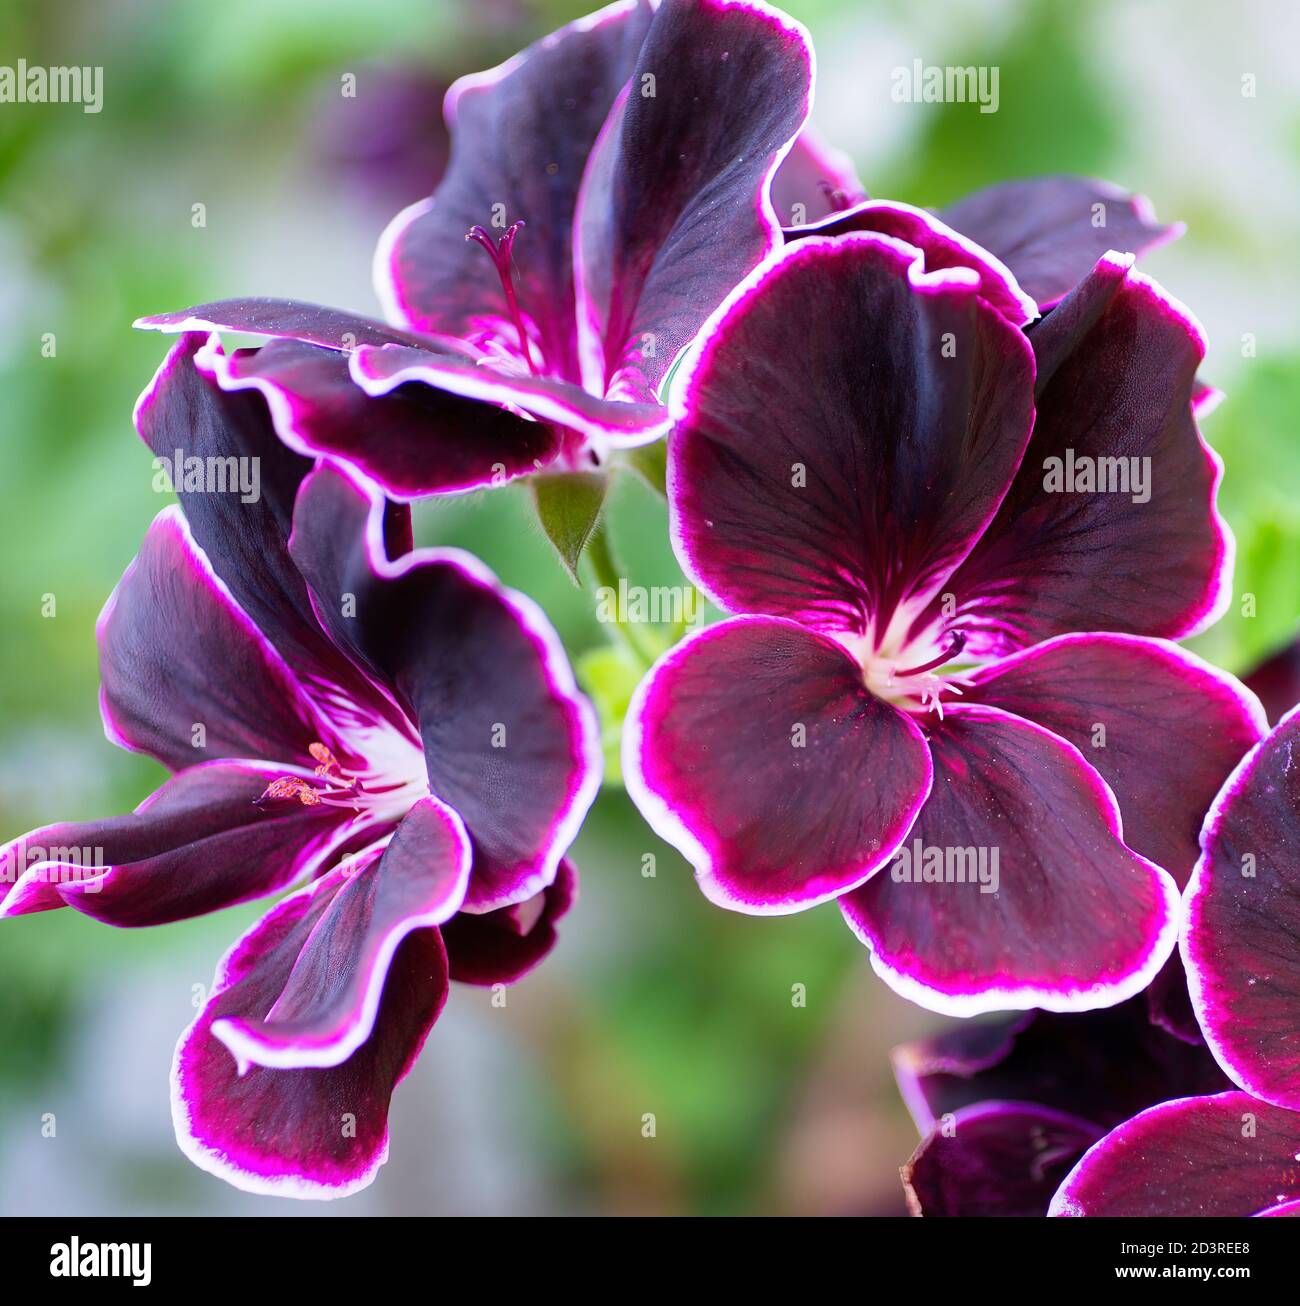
pixel 942 476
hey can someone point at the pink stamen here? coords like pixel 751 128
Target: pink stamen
pixel 956 642
pixel 499 253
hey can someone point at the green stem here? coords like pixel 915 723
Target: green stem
pixel 605 570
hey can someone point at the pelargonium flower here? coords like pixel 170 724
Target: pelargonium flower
pixel 607 188
pixel 392 730
pixel 1005 1109
pixel 933 649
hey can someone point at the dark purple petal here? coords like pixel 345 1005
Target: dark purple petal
pixel 1116 365
pixel 329 1003
pixel 509 742
pixel 1074 919
pixel 996 1158
pixel 674 208
pixel 1103 1065
pixel 289 319
pixel 1162 727
pixel 1223 1155
pixel 177 655
pixel 415 440
pixel 755 749
pixel 381 371
pixel 1241 938
pixel 1277 681
pixel 521 134
pixel 813 181
pixel 315 1132
pixel 502 946
pixel 184 412
pixel 942 246
pixel 1051 230
pixel 199 843
pixel 835 502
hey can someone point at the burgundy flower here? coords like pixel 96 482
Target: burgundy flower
pixel 607 188
pixel 1005 1109
pixel 392 730
pixel 861 474
pixel 1047 232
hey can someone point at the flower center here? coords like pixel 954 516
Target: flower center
pixel 385 790
pixel 913 672
pixel 499 251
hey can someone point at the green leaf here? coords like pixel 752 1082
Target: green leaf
pixel 568 506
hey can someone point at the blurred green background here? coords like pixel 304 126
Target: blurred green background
pixel 655 1002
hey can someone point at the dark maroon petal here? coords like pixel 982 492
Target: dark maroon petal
pixel 502 946
pixel 1241 938
pixel 290 319
pixel 942 246
pixel 755 749
pixel 521 134
pixel 328 1005
pixel 415 440
pixel 1076 919
pixel 1277 681
pixel 996 1158
pixel 813 181
pixel 674 209
pixel 1116 364
pixel 315 1132
pixel 201 842
pixel 184 412
pixel 1162 727
pixel 1103 1065
pixel 834 503
pixel 185 675
pixel 1046 229
pixel 1223 1155
pixel 509 742
pixel 381 371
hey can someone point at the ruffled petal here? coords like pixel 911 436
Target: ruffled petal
pixel 521 134
pixel 1051 230
pixel 184 415
pixel 502 946
pixel 943 248
pixel 328 1006
pixel 382 371
pixel 1103 1066
pixel 674 209
pixel 1015 889
pixel 316 1132
pixel 1161 726
pixel 199 843
pixel 1226 1155
pixel 834 503
pixel 1241 939
pixel 185 675
pixel 509 742
pixel 995 1159
pixel 755 749
pixel 1111 523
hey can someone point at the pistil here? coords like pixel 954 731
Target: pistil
pixel 500 253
